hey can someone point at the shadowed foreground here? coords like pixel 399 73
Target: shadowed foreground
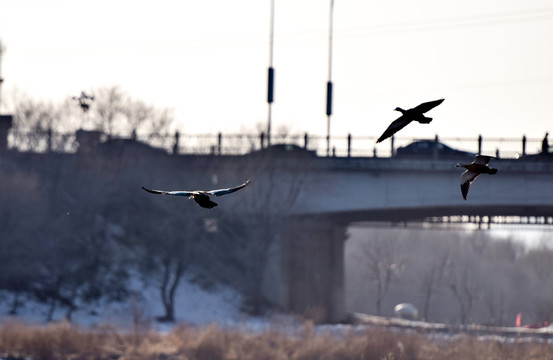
pixel 65 341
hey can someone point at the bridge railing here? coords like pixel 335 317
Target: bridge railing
pixel 239 144
pixel 354 146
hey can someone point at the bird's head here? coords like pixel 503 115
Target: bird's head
pixel 400 110
pixel 458 165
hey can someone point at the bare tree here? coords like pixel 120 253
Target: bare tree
pixel 137 113
pixel 431 279
pixel 34 116
pixel 271 207
pixel 158 126
pixel 41 125
pixel 34 122
pixel 502 278
pixel 495 297
pixel 163 232
pixel 385 261
pixel 268 203
pixel 108 107
pixel 539 262
pixel 461 276
pixel 172 260
pixel 117 113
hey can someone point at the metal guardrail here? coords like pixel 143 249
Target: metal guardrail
pixel 239 144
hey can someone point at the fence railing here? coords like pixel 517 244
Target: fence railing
pixel 239 144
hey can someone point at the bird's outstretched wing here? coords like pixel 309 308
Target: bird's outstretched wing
pixel 394 127
pixel 220 192
pixel 483 159
pixel 427 106
pixel 466 180
pixel 176 193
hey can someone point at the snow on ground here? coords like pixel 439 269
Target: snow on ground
pixel 193 305
pixel 221 305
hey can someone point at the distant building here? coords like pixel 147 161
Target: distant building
pixel 6 122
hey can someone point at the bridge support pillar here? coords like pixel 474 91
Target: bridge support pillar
pixel 313 266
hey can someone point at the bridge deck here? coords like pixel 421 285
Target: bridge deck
pixel 358 189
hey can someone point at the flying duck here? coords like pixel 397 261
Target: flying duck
pixel 416 113
pixel 475 168
pixel 201 197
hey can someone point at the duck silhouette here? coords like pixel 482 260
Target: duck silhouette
pixel 201 197
pixel 475 168
pixel 416 114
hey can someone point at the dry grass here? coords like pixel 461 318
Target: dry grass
pixel 66 341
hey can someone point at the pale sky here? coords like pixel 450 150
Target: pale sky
pixel 492 60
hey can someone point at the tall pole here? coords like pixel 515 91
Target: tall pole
pixel 329 83
pixel 271 74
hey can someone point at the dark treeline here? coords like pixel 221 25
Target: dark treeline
pixel 455 277
pixel 112 111
pixel 75 227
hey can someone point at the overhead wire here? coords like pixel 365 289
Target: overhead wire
pixel 451 22
pixel 200 43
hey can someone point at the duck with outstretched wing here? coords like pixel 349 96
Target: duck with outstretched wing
pixel 407 116
pixel 201 197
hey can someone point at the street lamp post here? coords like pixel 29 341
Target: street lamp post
pixel 84 101
pixel 270 75
pixel 329 86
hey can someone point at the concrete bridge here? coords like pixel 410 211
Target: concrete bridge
pixel 391 189
pixel 336 192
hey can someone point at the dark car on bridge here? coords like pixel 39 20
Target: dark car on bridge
pixel 431 148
